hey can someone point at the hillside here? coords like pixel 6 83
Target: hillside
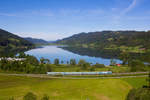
pixel 10 42
pixel 131 41
pixel 36 41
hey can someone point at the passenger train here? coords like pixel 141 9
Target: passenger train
pixel 79 73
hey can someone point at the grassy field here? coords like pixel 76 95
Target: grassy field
pixel 69 68
pixel 68 89
pixel 136 82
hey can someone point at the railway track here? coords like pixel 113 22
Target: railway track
pixel 114 75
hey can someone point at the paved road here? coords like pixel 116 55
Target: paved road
pixel 81 77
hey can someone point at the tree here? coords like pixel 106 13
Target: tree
pixel 29 68
pixel 62 62
pixel 148 80
pixel 56 61
pixel 136 65
pixel 72 62
pixel 112 62
pixel 146 57
pixel 22 55
pixel 85 66
pixel 44 61
pixel 81 62
pixel 30 96
pixel 3 62
pixel 125 57
pixel 67 62
pixel 32 60
pixel 45 97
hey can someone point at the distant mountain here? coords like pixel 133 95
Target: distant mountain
pixel 36 41
pixel 51 41
pixel 122 40
pixel 10 42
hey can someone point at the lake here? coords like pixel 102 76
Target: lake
pixel 64 54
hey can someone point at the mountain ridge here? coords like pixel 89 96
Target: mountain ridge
pixel 36 40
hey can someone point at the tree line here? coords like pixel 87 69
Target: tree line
pixel 32 65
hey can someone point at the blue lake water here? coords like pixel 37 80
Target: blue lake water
pixel 53 52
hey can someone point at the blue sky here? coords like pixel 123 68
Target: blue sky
pixel 56 19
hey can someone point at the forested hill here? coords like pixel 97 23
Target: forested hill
pixel 36 41
pixel 123 40
pixel 10 42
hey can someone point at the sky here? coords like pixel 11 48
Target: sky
pixel 57 19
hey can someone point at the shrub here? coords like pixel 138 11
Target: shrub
pixel 72 62
pixel 81 62
pixel 44 61
pixel 85 66
pixel 12 98
pixel 99 65
pixel 92 68
pixel 56 61
pixel 48 67
pixel 62 62
pixel 45 97
pixel 30 96
pixel 138 94
pixel 67 62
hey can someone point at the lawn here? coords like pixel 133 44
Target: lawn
pixel 67 89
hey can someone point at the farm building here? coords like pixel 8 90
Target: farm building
pixel 13 59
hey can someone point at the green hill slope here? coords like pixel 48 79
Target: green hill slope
pixel 10 42
pixel 132 41
pixel 36 41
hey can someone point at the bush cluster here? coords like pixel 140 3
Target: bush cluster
pixel 32 96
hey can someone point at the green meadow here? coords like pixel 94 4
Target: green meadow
pixel 68 89
pixel 75 68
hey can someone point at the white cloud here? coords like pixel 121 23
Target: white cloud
pixel 118 17
pixel 129 8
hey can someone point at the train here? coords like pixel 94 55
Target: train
pixel 80 73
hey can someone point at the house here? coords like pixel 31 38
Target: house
pixel 118 65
